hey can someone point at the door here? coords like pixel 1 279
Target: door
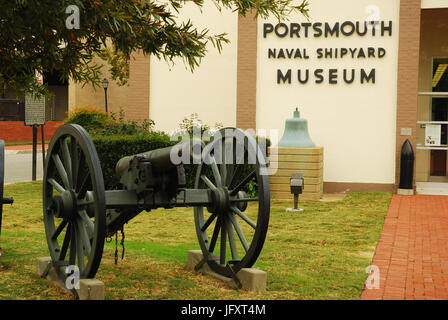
pixel 439 113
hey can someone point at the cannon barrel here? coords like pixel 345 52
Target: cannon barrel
pixel 161 159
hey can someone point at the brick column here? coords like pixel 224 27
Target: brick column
pixel 408 71
pixel 246 116
pixel 137 107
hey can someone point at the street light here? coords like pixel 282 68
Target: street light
pixel 105 84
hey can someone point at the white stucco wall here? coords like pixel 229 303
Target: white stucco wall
pixel 429 4
pixel 356 123
pixel 211 90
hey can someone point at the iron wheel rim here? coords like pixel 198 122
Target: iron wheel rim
pixel 84 181
pixel 256 243
pixel 2 179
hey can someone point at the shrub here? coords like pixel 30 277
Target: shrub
pixel 97 122
pixel 193 126
pixel 89 118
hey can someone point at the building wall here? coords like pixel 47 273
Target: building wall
pixel 133 98
pixel 355 123
pixel 16 131
pixel 408 69
pixel 176 92
pixel 247 72
pixel 428 4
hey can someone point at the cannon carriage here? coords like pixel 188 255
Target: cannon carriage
pixel 231 224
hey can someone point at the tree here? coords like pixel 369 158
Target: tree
pixel 44 35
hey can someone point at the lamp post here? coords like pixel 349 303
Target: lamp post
pixel 105 84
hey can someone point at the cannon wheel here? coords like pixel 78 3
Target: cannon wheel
pixel 248 217
pixel 74 201
pixel 2 176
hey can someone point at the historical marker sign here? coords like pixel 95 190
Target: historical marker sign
pixel 34 110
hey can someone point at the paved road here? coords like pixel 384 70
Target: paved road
pixel 18 167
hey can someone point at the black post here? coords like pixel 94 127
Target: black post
pixel 105 98
pixel 407 166
pixel 43 145
pixel 34 152
pixel 296 201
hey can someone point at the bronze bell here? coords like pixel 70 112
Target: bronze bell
pixel 296 133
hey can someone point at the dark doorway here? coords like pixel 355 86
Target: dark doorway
pixel 439 112
pixel 57 105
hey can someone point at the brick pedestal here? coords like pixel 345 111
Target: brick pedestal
pixel 307 161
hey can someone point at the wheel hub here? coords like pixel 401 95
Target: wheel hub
pixel 65 204
pixel 221 201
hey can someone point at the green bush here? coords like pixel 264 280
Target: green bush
pixel 97 122
pixel 89 118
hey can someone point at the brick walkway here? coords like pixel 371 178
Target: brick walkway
pixel 412 254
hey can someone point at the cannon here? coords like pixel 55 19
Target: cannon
pixel 79 214
pixel 2 181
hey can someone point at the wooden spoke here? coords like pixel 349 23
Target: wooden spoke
pixel 243 183
pixel 208 222
pixel 222 254
pixel 216 173
pixel 239 232
pixel 223 167
pixel 79 248
pixel 75 161
pixel 65 243
pixel 244 217
pixel 232 243
pixel 208 182
pixel 84 237
pixel 67 161
pixel 215 235
pixel 235 174
pixel 230 171
pixel 80 172
pixel 61 170
pixel 84 186
pixel 56 185
pixel 59 229
pixel 72 259
pixel 86 220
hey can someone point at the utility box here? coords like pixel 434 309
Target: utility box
pixel 297 183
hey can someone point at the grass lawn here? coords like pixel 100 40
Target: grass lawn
pixel 319 254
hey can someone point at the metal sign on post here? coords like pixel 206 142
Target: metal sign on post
pixel 35 117
pixel 34 110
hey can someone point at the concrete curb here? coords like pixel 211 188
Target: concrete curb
pixel 13 152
